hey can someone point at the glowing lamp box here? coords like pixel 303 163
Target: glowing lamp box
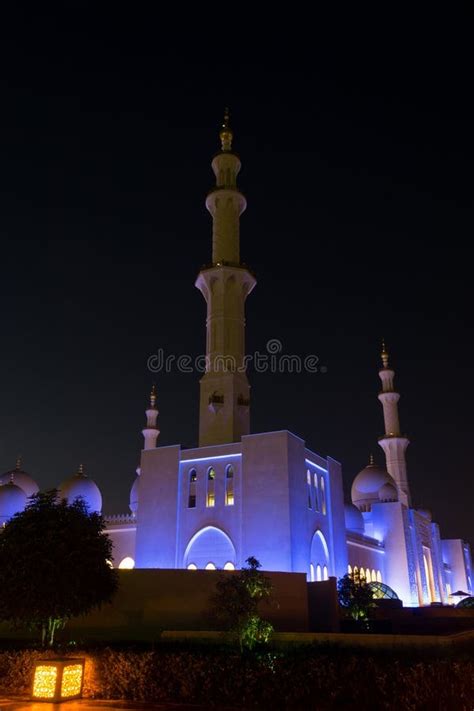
pixel 57 679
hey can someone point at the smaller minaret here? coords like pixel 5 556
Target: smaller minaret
pixel 393 443
pixel 151 432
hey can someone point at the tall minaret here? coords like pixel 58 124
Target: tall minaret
pixel 393 443
pixel 150 432
pixel 225 284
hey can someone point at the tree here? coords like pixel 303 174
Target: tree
pixel 236 602
pixel 356 597
pixel 54 564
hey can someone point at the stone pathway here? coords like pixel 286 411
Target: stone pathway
pixel 96 705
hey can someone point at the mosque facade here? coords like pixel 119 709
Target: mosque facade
pixel 267 495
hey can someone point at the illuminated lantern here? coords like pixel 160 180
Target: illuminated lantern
pixel 58 679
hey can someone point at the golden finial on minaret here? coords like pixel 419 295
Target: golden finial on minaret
pixel 384 354
pixel 153 395
pixel 226 135
pixel 371 460
pixel 18 463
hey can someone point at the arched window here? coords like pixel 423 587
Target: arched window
pixel 318 572
pixel 374 576
pixel 356 574
pixel 316 492
pixel 210 566
pixel 192 566
pixel 308 486
pixel 362 574
pixel 229 566
pixel 127 563
pixel 192 489
pixel 323 496
pixel 229 486
pixel 311 572
pixel 211 487
pixel 368 576
pixel 349 569
pixel 379 576
pixel 325 573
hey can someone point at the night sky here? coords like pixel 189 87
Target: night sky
pixel 357 167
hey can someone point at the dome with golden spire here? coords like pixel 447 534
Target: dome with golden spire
pixel 367 484
pixel 80 486
pixel 21 479
pixel 12 501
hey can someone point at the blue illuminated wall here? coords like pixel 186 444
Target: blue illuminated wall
pixel 157 508
pixel 281 516
pixel 275 516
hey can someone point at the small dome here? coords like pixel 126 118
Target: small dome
pixel 366 486
pixel 353 518
pixel 380 591
pixel 20 478
pixel 388 492
pixel 12 501
pixel 134 496
pixel 467 603
pixel 80 485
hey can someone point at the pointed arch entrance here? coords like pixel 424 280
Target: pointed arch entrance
pixel 210 545
pixel 319 557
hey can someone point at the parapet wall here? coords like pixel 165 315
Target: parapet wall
pixel 152 600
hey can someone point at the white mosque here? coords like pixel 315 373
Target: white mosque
pixel 266 494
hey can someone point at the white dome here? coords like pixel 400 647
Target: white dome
pixel 366 486
pixel 388 492
pixel 12 501
pixel 20 478
pixel 80 485
pixel 353 518
pixel 134 496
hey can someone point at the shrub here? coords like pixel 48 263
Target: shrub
pixel 236 603
pixel 302 678
pixel 356 598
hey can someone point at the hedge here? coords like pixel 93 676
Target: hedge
pixel 278 680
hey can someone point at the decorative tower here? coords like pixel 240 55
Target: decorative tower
pixel 393 443
pixel 225 285
pixel 151 432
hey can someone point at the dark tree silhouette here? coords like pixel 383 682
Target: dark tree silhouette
pixel 54 564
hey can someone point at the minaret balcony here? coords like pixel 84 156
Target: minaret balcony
pixel 223 263
pixel 393 436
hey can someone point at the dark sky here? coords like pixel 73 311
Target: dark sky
pixel 357 166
